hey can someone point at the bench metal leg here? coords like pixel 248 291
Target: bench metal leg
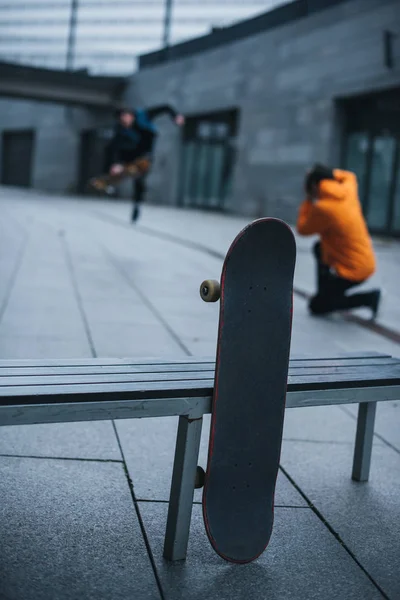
pixel 364 439
pixel 182 488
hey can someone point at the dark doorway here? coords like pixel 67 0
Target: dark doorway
pixel 17 158
pixel 207 160
pixel 92 156
pixel 372 151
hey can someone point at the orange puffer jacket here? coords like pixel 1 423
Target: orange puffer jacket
pixel 337 217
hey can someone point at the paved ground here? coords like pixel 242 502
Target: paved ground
pixel 76 280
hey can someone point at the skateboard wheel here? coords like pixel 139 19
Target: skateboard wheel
pixel 200 478
pixel 210 290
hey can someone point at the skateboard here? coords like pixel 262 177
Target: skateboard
pixel 251 373
pixel 134 169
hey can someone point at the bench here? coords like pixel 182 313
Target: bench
pixel 53 391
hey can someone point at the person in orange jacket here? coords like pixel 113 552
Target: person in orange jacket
pixel 345 256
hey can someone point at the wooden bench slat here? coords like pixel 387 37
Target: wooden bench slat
pixel 201 365
pixel 104 370
pixel 143 375
pixel 117 362
pixel 99 378
pixel 188 388
pixel 195 407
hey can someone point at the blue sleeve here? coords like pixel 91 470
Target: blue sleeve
pixel 144 121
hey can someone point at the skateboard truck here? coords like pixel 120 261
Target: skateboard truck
pixel 210 290
pixel 200 478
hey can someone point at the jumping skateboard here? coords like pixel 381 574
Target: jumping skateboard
pixel 134 169
pixel 251 373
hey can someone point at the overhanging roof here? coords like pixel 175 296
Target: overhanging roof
pixel 65 87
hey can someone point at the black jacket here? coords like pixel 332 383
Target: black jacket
pixel 138 140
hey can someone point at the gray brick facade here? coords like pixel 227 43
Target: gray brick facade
pixel 285 82
pixel 57 136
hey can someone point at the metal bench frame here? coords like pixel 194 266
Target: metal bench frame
pixel 190 411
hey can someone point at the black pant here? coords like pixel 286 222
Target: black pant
pixel 139 189
pixel 332 289
pixel 139 183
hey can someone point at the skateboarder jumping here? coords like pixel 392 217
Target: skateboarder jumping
pixel 345 256
pixel 134 139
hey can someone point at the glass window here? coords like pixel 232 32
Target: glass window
pixel 381 178
pixel 204 129
pixel 188 161
pixel 356 159
pixel 206 161
pixel 215 175
pixel 200 175
pixel 221 130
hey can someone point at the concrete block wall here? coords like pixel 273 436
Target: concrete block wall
pixel 285 83
pixel 57 137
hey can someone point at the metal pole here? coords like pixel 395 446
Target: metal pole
pixel 167 23
pixel 72 35
pixel 364 441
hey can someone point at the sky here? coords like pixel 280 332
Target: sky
pixel 109 33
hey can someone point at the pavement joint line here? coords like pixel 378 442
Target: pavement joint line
pixel 16 222
pixel 386 332
pixel 139 516
pixel 376 434
pixel 372 325
pixel 13 279
pixel 70 458
pixel 145 300
pixel 161 235
pixel 78 297
pixel 333 532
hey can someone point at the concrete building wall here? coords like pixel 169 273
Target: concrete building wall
pixel 57 138
pixel 285 83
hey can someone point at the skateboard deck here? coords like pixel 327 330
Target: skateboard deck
pixel 137 168
pixel 250 388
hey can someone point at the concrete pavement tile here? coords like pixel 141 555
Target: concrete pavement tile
pixel 43 347
pixel 111 295
pixel 64 440
pixel 365 515
pixel 27 299
pixel 320 424
pixel 149 447
pixel 387 421
pixel 186 326
pixel 127 325
pixel 31 322
pixel 138 340
pixel 201 348
pixel 324 335
pixel 69 530
pixel 302 562
pixel 116 312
